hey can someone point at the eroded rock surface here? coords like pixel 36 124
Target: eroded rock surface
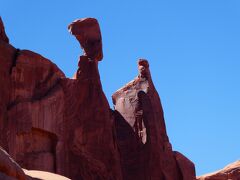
pixel 52 123
pixel 145 150
pixel 9 169
pixel 87 32
pixel 230 172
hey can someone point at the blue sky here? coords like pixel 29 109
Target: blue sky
pixel 193 47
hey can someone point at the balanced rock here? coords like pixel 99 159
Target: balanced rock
pixel 87 32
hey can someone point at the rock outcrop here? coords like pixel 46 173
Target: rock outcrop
pixel 230 172
pixel 52 123
pixel 145 150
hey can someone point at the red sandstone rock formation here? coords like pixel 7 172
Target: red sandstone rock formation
pixel 87 32
pixel 230 172
pixel 186 166
pixel 145 150
pixel 3 35
pixel 51 123
pixel 9 169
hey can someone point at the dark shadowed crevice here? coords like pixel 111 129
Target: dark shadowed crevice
pixel 14 60
pixel 35 97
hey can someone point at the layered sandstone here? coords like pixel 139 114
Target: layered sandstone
pixel 52 123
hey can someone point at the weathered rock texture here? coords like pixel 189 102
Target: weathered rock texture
pixel 145 150
pixel 230 172
pixel 52 123
pixel 87 32
pixel 9 169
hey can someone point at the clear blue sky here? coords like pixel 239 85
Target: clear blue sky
pixel 193 47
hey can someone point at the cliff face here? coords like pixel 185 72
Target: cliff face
pixel 52 123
